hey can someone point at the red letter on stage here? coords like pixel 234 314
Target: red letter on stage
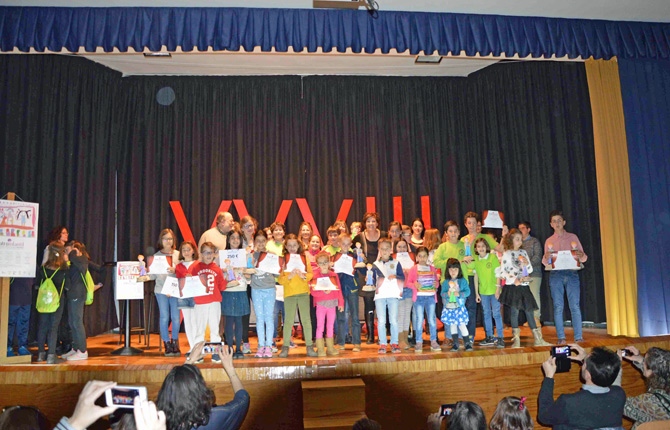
pixel 425 211
pixel 306 213
pixel 370 205
pixel 397 209
pixel 240 207
pixel 182 223
pixel 283 211
pixel 345 209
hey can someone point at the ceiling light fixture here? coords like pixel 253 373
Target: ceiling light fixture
pixel 157 55
pixel 428 59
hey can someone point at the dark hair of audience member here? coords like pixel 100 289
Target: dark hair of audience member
pixel 603 365
pixel 185 398
pixel 23 418
pixel 467 416
pixel 657 361
pixel 511 414
pixel 366 424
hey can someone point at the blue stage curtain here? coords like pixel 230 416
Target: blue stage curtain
pixel 645 87
pixel 233 29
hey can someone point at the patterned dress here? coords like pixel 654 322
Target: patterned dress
pixel 512 266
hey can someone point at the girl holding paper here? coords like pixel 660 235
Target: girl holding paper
pixel 388 279
pixel 295 276
pixel 263 292
pixel 514 270
pixel 327 292
pixel 167 306
pixel 235 303
pixel 455 290
pixel 423 280
pixel 407 261
pixel 188 254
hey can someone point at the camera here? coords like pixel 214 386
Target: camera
pixel 562 355
pixel 123 396
pixel 446 410
pixel 626 353
pixel 210 347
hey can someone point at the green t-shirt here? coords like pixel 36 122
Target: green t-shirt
pixel 486 273
pixel 446 251
pixel 492 243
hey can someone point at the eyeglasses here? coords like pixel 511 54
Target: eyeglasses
pixel 248 226
pixel 207 253
pixel 168 239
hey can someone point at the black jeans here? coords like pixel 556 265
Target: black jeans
pixel 234 328
pixel 48 325
pixel 75 309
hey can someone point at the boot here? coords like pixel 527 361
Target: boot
pixel 537 334
pixel 310 351
pixel 454 338
pixel 320 351
pixel 516 340
pixel 52 359
pixel 176 352
pixel 41 356
pixel 330 348
pixel 284 352
pixel 402 340
pixel 370 323
pixel 168 348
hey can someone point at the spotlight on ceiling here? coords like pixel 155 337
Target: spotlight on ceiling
pixel 428 59
pixel 370 5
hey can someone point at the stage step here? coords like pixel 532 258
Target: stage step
pixel 344 422
pixel 332 403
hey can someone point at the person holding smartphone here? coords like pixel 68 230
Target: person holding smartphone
pixel 654 404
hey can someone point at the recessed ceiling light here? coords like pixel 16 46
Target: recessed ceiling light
pixel 428 59
pixel 157 55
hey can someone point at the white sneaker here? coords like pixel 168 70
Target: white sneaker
pixel 78 355
pixel 69 353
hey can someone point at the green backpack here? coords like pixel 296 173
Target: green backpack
pixel 90 287
pixel 48 297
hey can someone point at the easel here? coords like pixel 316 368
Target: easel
pixel 4 319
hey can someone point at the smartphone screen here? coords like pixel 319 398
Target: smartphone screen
pixel 557 351
pixel 446 410
pixel 124 396
pixel 210 347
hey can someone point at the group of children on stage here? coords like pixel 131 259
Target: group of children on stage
pixel 292 272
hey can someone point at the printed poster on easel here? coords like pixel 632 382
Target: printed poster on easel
pixel 125 281
pixel 18 238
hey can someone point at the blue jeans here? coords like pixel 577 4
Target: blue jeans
pixel 76 320
pixel 471 306
pixel 264 304
pixel 19 317
pixel 426 303
pixel 566 282
pixel 168 311
pixel 380 305
pixel 278 307
pixel 350 309
pixel 490 303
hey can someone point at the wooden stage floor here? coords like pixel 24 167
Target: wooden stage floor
pixel 401 389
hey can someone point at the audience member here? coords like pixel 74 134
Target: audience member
pixel 23 418
pixel 86 412
pixel 465 416
pixel 511 414
pixel 366 424
pixel 598 404
pixel 655 403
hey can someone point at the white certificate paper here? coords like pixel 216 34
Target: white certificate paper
pixel 192 286
pixel 157 265
pixel 324 284
pixel 344 264
pixel 270 263
pixel 405 260
pixel 237 257
pixel 493 219
pixel 126 286
pixel 388 290
pixel 564 260
pixel 295 262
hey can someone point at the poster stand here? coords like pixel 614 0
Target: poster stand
pixel 4 319
pixel 127 349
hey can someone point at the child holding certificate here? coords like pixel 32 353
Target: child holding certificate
pixel 327 292
pixel 388 279
pixel 235 303
pixel 344 264
pixel 188 254
pixel 263 294
pixel 423 280
pixel 168 308
pixel 208 307
pixel 295 276
pixel 407 261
